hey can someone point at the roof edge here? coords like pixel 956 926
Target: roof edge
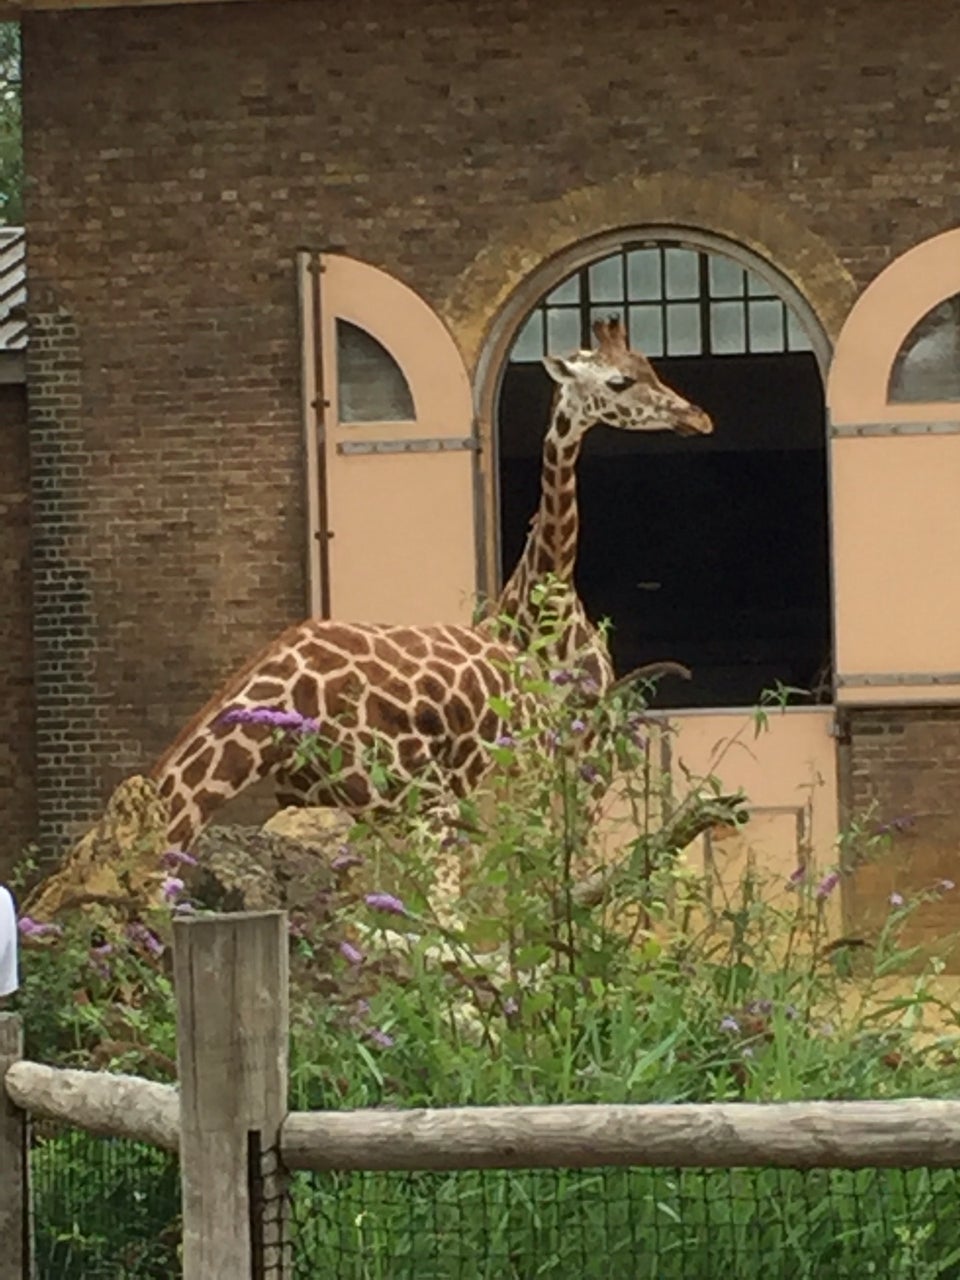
pixel 13 10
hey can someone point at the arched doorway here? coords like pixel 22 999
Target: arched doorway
pixel 711 552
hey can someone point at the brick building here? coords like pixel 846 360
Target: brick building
pixel 291 266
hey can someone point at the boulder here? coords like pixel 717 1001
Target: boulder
pixel 259 869
pixel 118 863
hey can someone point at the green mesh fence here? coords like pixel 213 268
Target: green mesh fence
pixel 635 1224
pixel 104 1208
pixel 108 1209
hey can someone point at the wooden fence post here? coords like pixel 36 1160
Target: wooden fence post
pixel 231 975
pixel 15 1241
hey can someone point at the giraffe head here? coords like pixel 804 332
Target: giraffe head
pixel 617 386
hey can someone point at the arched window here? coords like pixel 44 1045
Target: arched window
pixel 713 552
pixel 675 300
pixel 371 385
pixel 927 366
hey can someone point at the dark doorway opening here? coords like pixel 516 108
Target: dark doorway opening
pixel 708 551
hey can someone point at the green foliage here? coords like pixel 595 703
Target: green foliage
pixel 668 985
pixel 11 136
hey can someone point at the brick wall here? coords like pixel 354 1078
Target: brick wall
pixel 17 792
pixel 902 774
pixel 178 157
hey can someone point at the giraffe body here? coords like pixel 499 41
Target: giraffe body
pixel 415 699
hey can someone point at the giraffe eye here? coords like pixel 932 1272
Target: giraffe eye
pixel 620 383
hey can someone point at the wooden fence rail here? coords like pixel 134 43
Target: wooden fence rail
pixel 910 1133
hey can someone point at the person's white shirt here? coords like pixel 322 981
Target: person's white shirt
pixel 9 977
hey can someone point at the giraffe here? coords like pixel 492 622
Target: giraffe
pixel 617 387
pixel 417 697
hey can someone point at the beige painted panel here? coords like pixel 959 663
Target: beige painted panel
pixel 788 773
pixel 896 538
pixel 402 543
pixel 880 320
pixel 403 549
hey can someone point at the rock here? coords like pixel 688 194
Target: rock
pixel 252 869
pixel 323 828
pixel 116 864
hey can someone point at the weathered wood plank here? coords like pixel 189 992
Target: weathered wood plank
pixel 904 1134
pixel 14 1164
pixel 120 1106
pixel 231 982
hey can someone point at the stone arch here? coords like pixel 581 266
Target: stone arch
pixel 518 263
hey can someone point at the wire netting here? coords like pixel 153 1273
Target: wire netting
pixel 103 1208
pixel 628 1224
pixel 109 1209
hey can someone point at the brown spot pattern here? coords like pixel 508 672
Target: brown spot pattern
pixel 195 772
pixel 235 765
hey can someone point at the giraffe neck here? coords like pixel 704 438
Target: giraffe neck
pixel 551 549
pixel 551 546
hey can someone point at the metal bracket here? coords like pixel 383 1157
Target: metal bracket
pixel 899 679
pixel 436 444
pixel 946 428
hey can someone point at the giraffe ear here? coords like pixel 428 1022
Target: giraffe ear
pixel 559 370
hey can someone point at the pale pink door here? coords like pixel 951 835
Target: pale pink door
pixel 894 401
pixel 390 450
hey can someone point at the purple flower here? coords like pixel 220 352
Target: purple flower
pixel 730 1024
pixel 174 858
pixel 184 909
pixel 896 899
pixel 380 1037
pixel 345 859
pixel 510 1006
pixel 144 937
pixel 561 677
pixel 578 726
pixel 273 716
pixel 797 877
pixel 828 884
pixel 505 740
pixel 350 953
pixel 385 902
pixel 589 772
pixel 104 949
pixel 171 888
pixel 31 928
pixel 589 686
